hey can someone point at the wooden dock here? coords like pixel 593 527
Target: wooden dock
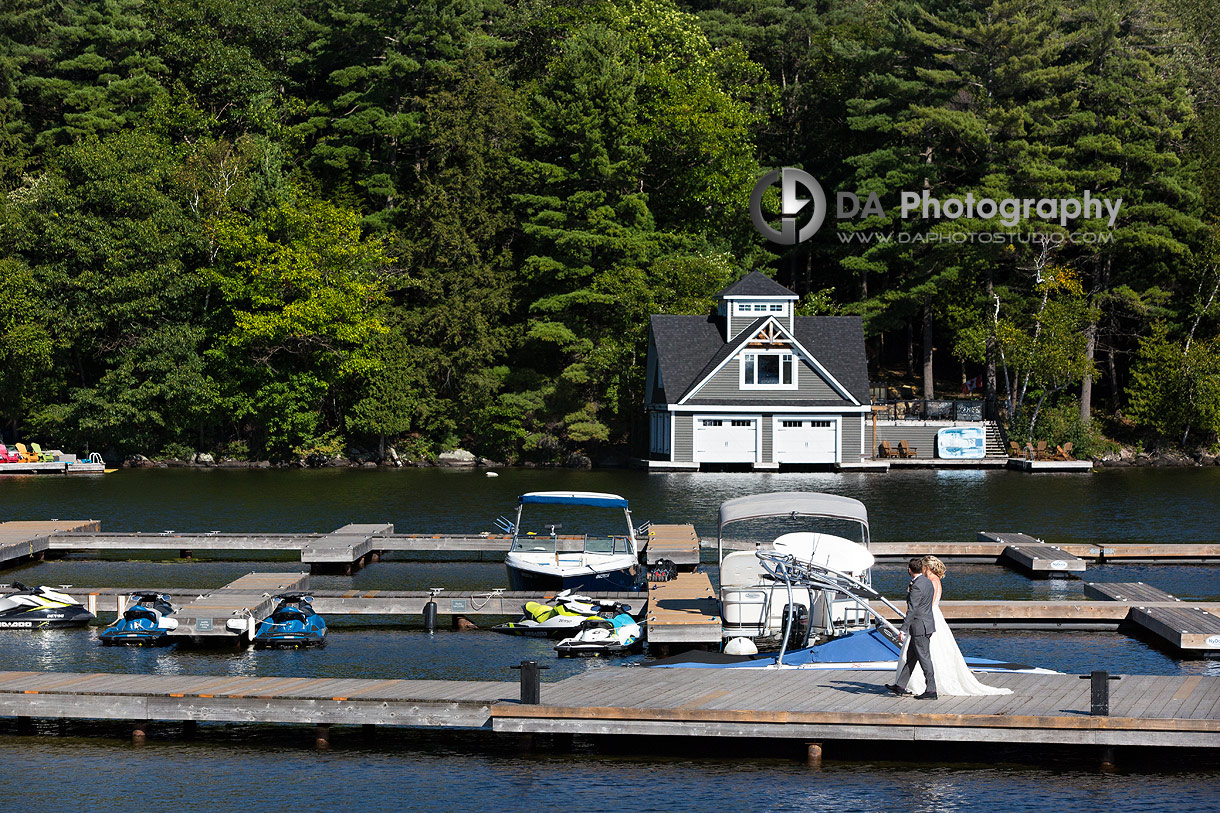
pixel 32 539
pixel 250 599
pixel 809 706
pixel 683 612
pixel 1033 556
pixel 677 543
pixel 1191 628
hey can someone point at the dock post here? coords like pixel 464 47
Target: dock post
pixel 91 603
pixel 531 682
pixel 139 732
pixel 321 737
pixel 813 756
pixel 1107 759
pixel 184 554
pixel 1099 692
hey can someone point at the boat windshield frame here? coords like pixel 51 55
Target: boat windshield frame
pixel 597 544
pixel 815 504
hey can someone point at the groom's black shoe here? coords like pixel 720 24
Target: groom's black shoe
pixel 926 696
pixel 896 689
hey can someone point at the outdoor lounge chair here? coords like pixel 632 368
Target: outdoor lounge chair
pixel 884 450
pixel 26 455
pixel 905 449
pixel 1040 451
pixel 40 455
pixel 1064 452
pixel 1014 450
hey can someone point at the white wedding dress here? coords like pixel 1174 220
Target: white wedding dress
pixel 953 677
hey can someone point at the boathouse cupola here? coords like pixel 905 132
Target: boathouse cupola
pixel 751 297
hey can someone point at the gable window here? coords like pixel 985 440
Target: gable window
pixel 760 307
pixel 743 307
pixel 768 371
pixel 777 308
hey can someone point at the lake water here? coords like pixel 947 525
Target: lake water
pixel 250 767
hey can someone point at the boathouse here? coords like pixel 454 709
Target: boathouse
pixel 755 385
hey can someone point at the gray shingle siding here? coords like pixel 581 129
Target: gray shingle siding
pixel 684 440
pixel 726 385
pixel 766 456
pixel 849 428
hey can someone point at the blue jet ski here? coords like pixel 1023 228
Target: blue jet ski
pixel 145 622
pixel 293 623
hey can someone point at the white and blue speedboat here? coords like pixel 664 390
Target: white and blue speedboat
pixel 591 562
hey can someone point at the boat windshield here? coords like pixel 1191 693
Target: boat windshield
pixel 607 544
pixel 570 522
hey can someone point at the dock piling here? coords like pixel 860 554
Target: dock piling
pixel 531 682
pixel 321 737
pixel 813 755
pixel 1099 692
pixel 139 732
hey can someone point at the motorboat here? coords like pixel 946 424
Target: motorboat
pixel 560 617
pixel 293 623
pixel 755 607
pixel 588 562
pixel 873 648
pixel 29 608
pixel 600 636
pixel 145 622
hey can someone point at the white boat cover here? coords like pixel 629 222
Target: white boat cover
pixel 792 504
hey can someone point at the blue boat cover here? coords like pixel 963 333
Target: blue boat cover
pixel 861 646
pixel 574 498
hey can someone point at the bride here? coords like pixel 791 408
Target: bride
pixel 953 677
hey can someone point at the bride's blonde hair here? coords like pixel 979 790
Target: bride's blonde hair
pixel 934 566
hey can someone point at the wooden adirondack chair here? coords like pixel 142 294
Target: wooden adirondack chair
pixel 905 449
pixel 884 450
pixel 42 457
pixel 1040 451
pixel 1014 450
pixel 26 455
pixel 1064 452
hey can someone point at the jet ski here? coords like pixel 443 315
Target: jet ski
pixel 41 608
pixel 145 622
pixel 293 623
pixel 559 618
pixel 598 636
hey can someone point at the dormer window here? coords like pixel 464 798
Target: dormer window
pixel 772 371
pixel 761 307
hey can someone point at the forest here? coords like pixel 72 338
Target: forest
pixel 279 229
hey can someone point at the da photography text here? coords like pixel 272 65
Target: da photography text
pixel 799 189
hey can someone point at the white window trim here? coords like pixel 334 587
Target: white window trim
pixel 741 369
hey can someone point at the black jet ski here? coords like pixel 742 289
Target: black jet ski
pixel 145 622
pixel 293 623
pixel 41 608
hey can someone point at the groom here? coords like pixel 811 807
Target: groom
pixel 920 626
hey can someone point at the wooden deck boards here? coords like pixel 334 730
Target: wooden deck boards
pixel 683 610
pixel 678 543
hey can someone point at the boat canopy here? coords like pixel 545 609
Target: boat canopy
pixel 594 498
pixel 792 504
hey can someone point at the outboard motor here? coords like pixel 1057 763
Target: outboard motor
pixel 798 636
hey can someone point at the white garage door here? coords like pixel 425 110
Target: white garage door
pixel 805 440
pixel 726 440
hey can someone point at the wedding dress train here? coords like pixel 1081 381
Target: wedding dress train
pixel 953 677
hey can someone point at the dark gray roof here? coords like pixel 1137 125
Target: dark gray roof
pixel 684 346
pixel 689 348
pixel 770 403
pixel 838 343
pixel 756 283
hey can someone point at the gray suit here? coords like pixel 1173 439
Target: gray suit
pixel 918 627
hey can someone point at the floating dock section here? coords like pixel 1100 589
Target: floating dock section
pixel 1190 628
pixel 1034 557
pixel 809 706
pixel 249 599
